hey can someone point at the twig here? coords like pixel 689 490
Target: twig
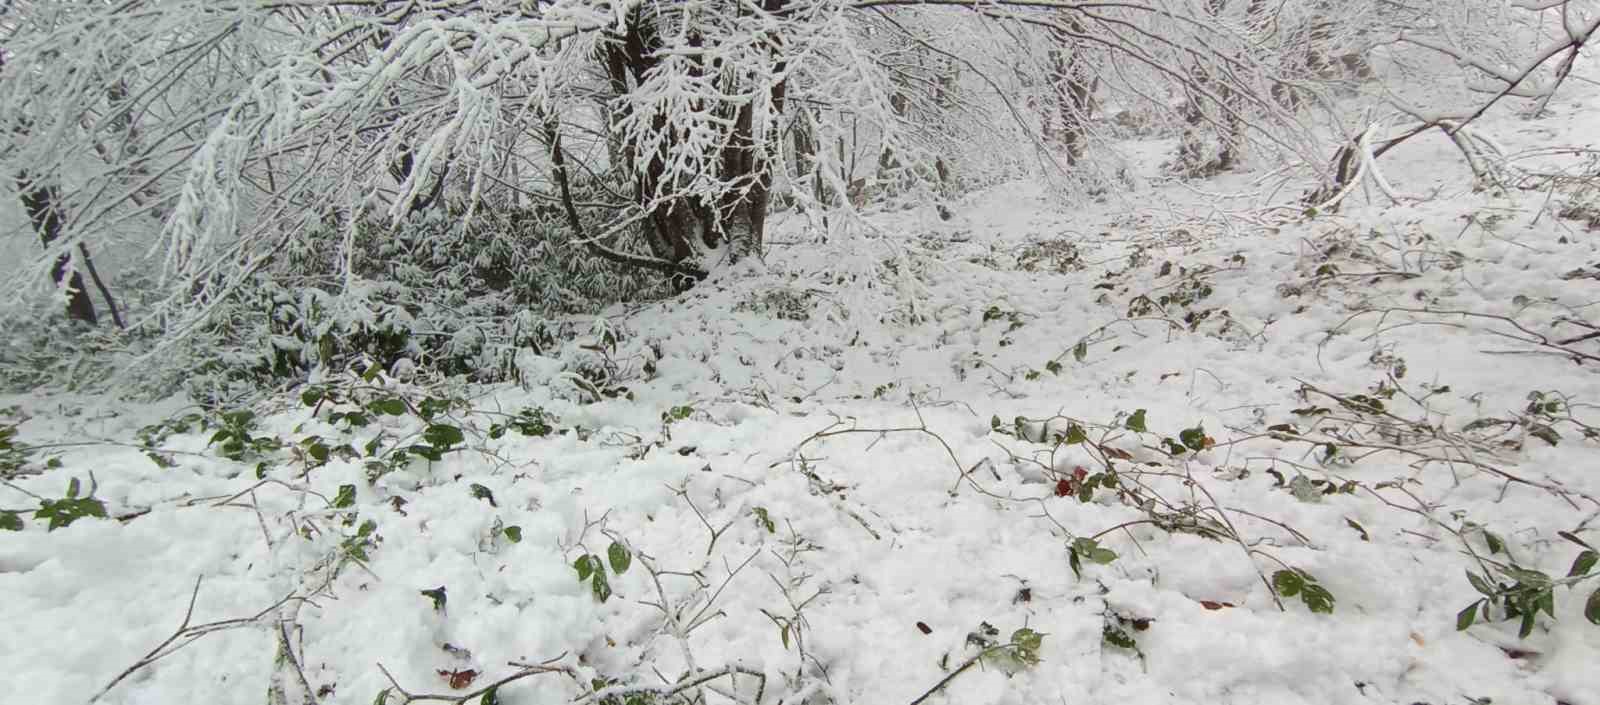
pixel 526 670
pixel 186 634
pixel 959 670
pixel 665 692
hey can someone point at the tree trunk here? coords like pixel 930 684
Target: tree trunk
pixel 628 58
pixel 41 201
pixel 675 222
pixel 1226 127
pixel 1074 92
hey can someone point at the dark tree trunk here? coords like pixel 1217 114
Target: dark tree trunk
pixel 1074 92
pixel 41 201
pixel 674 223
pixel 628 58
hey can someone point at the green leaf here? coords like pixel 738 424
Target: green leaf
pixel 1317 598
pixel 72 488
pixel 585 566
pixel 994 422
pixel 1526 628
pixel 1075 562
pixel 1027 639
pixel 1287 582
pixel 1075 434
pixel 430 407
pixel 438 596
pixel 443 436
pixel 10 521
pixel 1480 584
pixel 783 635
pixel 490 696
pixel 1583 564
pixel 1591 608
pixel 1135 422
pixel 765 520
pixel 1466 617
pixel 1574 538
pixel 1115 636
pixel 390 406
pixel 1358 527
pixel 619 556
pixel 1080 351
pixel 1495 544
pixel 62 512
pixel 514 533
pixel 311 396
pixel 383 697
pixel 1091 549
pixel 1544 433
pixel 602 588
pixel 1194 438
pixel 1527 577
pixel 345 498
pixel 480 492
pixel 1304 490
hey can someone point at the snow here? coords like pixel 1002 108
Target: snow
pixel 941 523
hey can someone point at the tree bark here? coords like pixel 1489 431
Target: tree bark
pixel 1074 93
pixel 42 203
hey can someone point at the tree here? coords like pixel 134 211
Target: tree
pixel 39 200
pixel 214 133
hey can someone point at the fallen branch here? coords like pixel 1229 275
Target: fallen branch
pixel 187 634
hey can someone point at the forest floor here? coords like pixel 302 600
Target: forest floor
pixel 1046 455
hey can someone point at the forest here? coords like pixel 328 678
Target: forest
pixel 800 352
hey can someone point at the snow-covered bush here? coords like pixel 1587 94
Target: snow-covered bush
pixel 431 296
pixel 49 349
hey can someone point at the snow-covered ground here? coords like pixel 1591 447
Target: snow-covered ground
pixel 826 483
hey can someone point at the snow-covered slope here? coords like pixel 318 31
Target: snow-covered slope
pixel 852 489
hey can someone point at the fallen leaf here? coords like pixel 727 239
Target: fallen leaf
pixel 459 679
pixel 1117 453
